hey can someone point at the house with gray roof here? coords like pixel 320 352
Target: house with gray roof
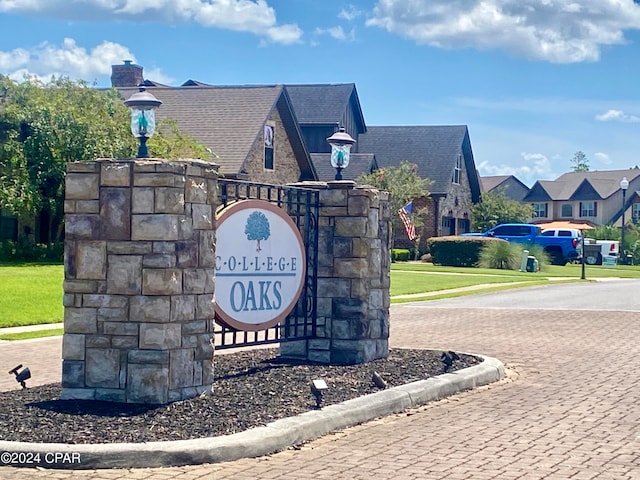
pixel 509 185
pixel 444 155
pixel 591 198
pixel 251 130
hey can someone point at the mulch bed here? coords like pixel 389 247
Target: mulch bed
pixel 252 388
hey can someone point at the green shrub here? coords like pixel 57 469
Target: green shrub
pixel 11 251
pixel 400 254
pixel 501 255
pixel 537 251
pixel 457 251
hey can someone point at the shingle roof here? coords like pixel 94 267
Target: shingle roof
pixel 359 163
pixel 604 183
pixel 491 182
pixel 324 103
pixel 434 149
pixel 227 119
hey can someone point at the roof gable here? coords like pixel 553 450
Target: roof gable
pixel 325 104
pixel 434 149
pixel 537 193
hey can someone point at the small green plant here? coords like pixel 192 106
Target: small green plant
pixel 400 254
pixel 501 255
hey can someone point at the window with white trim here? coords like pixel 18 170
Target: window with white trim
pixel 588 209
pixel 457 172
pixel 540 210
pixel 635 212
pixel 566 210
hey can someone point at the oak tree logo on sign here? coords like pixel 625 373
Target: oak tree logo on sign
pixel 260 265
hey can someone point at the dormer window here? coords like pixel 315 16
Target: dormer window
pixel 457 173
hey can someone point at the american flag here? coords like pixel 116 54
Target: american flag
pixel 405 215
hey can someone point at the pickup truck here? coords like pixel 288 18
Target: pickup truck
pixel 561 249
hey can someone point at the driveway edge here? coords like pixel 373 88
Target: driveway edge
pixel 273 437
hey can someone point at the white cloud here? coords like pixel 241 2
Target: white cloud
pixel 603 158
pixel 69 60
pixel 335 32
pixel 536 166
pixel 254 16
pixel 548 30
pixel 350 13
pixel 617 116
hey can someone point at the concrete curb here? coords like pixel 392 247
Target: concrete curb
pixel 255 442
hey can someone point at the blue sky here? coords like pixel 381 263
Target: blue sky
pixel 534 80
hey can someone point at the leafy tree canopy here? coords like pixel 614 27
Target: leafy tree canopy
pixel 580 162
pixel 45 125
pixel 495 208
pixel 403 182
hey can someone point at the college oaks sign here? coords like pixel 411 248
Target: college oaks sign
pixel 260 265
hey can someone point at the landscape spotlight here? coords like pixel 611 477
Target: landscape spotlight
pixel 318 387
pixel 341 143
pixel 378 381
pixel 143 118
pixel 21 377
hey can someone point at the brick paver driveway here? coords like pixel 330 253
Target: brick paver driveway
pixel 569 410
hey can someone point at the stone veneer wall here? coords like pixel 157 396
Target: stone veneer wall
pixel 138 289
pixel 353 277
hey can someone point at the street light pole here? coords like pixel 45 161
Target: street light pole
pixel 624 184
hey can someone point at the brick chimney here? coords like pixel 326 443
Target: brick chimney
pixel 127 75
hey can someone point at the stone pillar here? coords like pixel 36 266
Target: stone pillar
pixel 138 289
pixel 353 277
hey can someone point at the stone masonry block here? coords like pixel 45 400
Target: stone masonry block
pixel 204 306
pixel 73 346
pixel 187 254
pixel 358 206
pixel 82 186
pixel 196 190
pixel 82 227
pixel 142 200
pixel 97 341
pixel 183 308
pixel 154 180
pixel 125 342
pixel 194 280
pixel 102 367
pixel 115 174
pixel 351 268
pixel 102 301
pixel 159 336
pixel 333 197
pixel 129 248
pixel 115 213
pixel 110 395
pixel 207 248
pixel 159 357
pixel 87 206
pixel 351 227
pixel 147 384
pixel 169 200
pixel 91 259
pixel 83 167
pixel 80 320
pixel 124 274
pixel 120 328
pixel 202 216
pixel 155 227
pixel 181 369
pixel 154 309
pixel 194 327
pixel 73 374
pixel 161 281
pixel 159 260
pixel 106 314
pixel 334 287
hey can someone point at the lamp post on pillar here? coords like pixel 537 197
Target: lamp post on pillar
pixel 624 184
pixel 341 143
pixel 143 118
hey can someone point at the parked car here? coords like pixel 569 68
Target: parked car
pixel 561 245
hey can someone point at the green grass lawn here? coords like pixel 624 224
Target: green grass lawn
pixel 30 294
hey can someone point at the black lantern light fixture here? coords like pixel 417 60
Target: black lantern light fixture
pixel 341 143
pixel 143 118
pixel 624 184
